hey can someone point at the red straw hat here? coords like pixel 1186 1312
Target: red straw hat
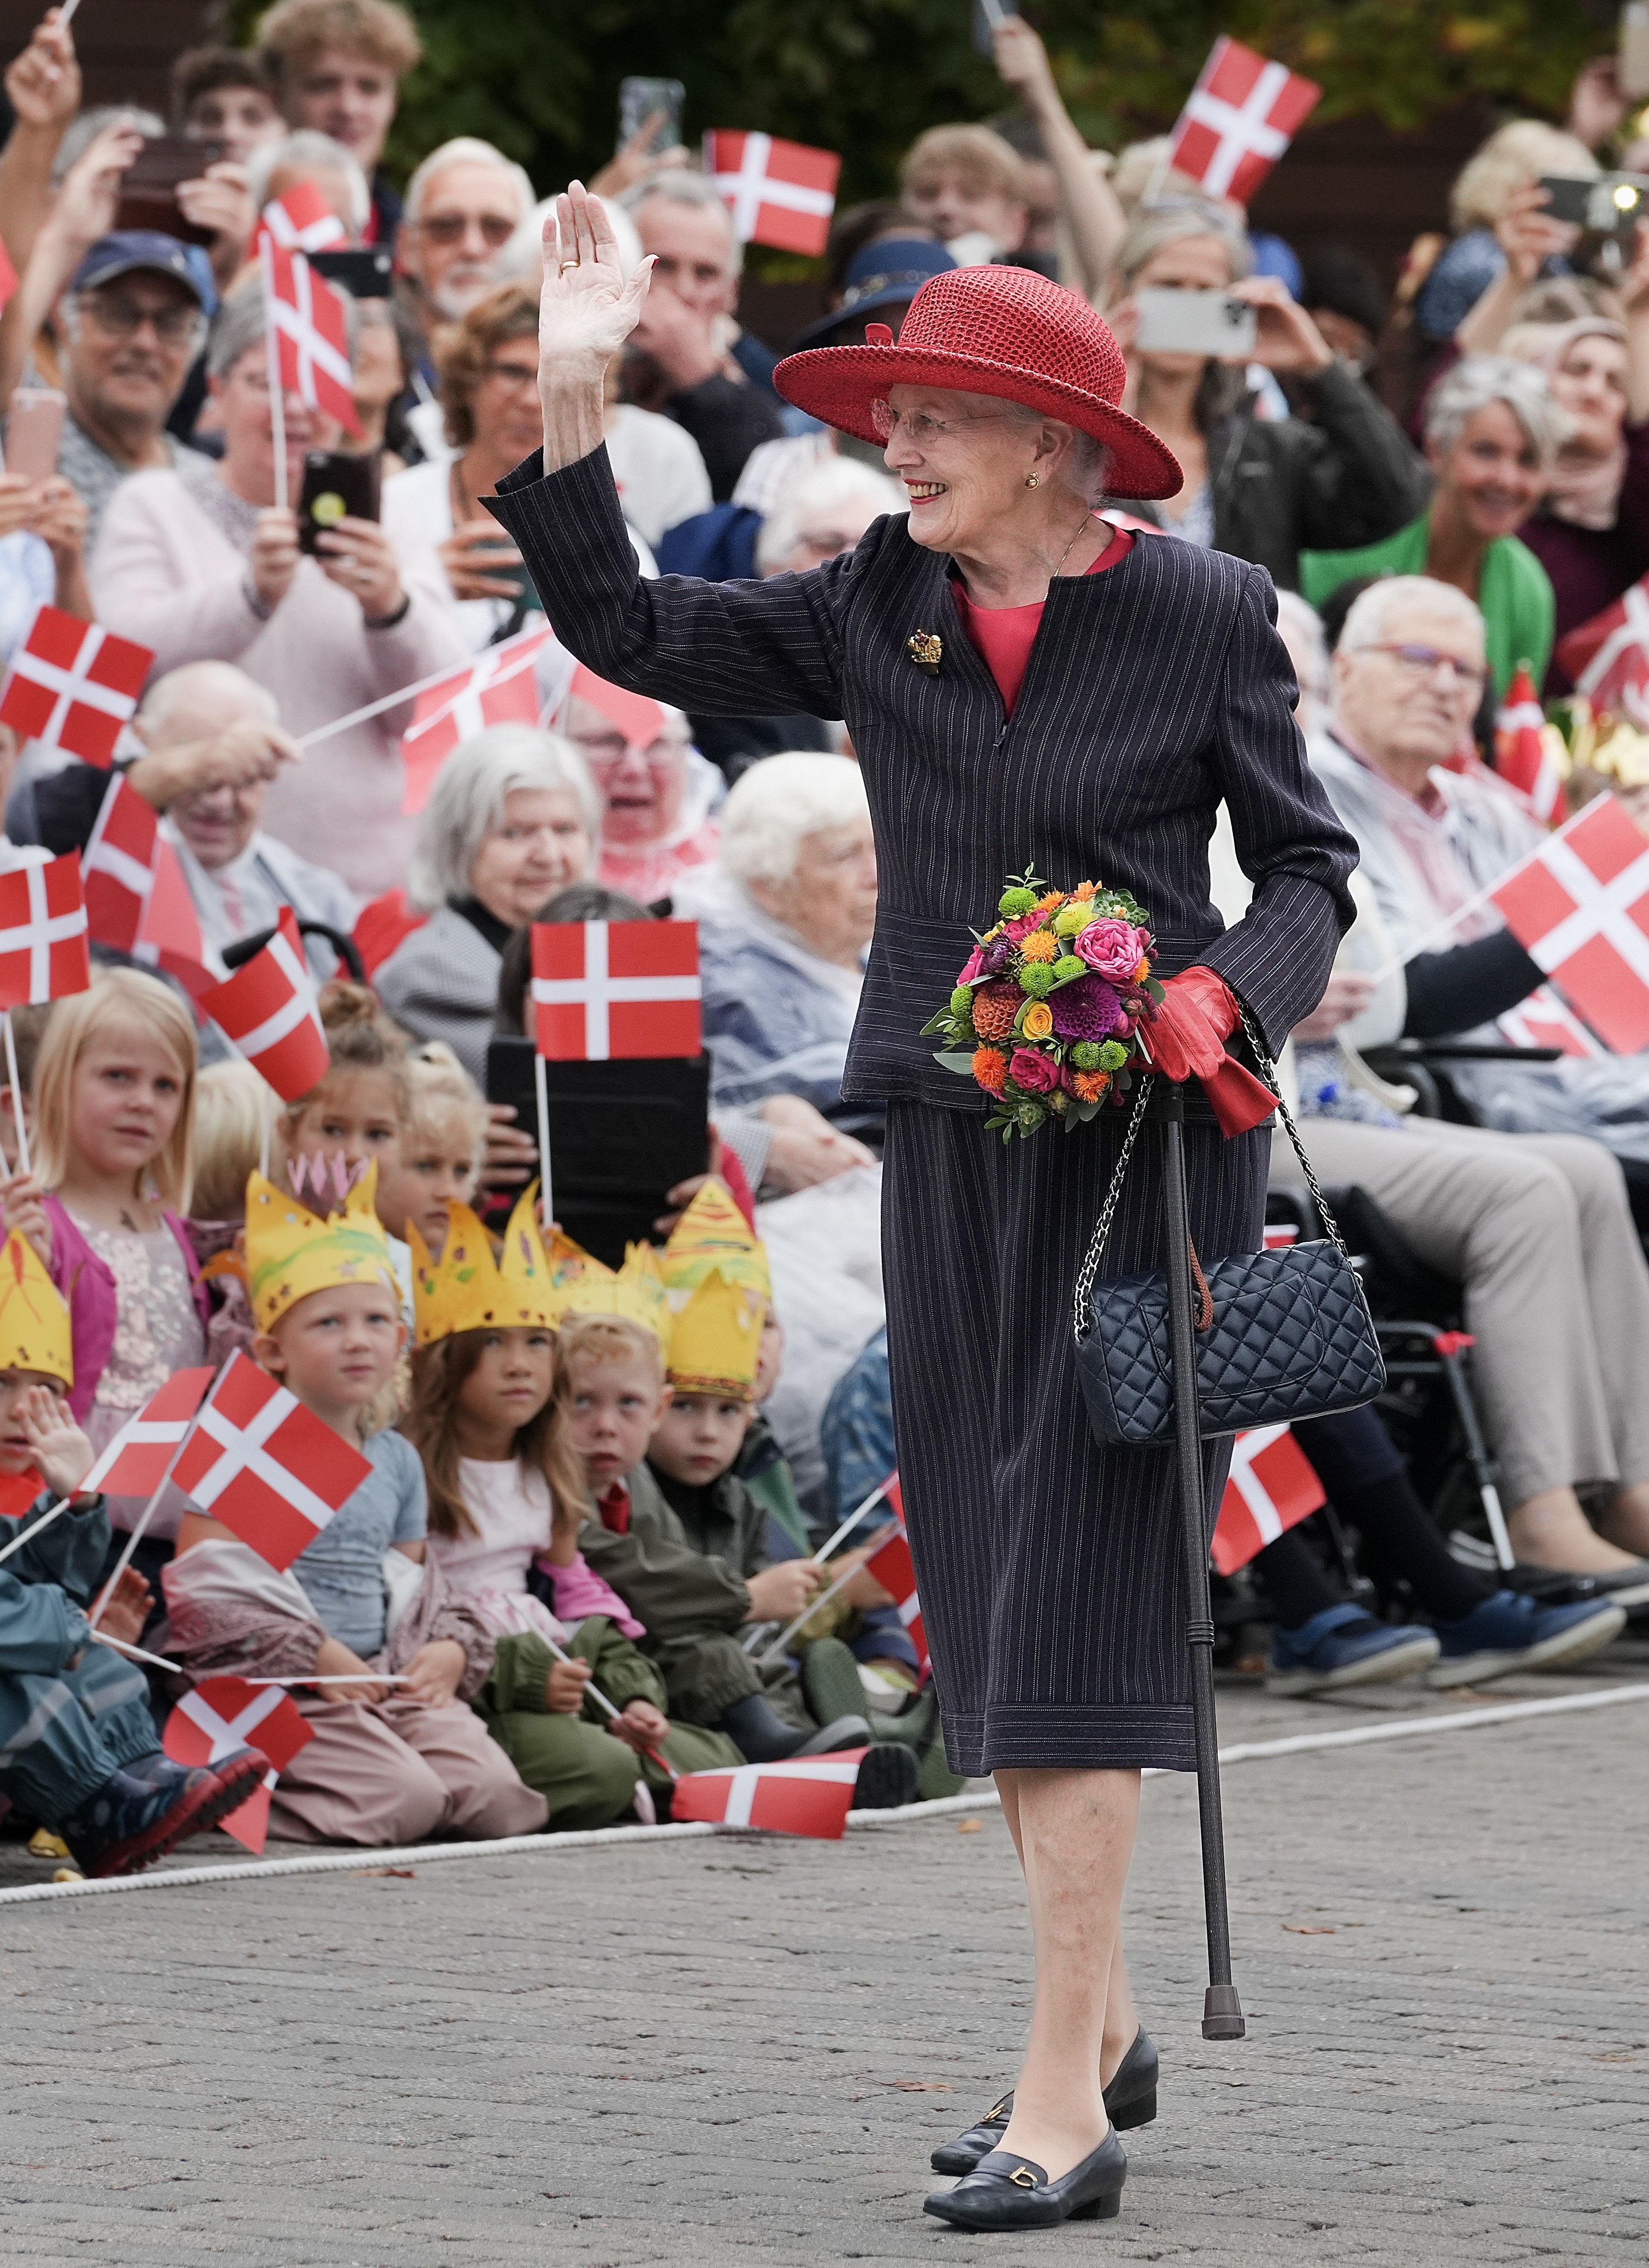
pixel 993 330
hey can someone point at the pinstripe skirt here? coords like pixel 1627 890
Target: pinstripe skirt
pixel 1050 1569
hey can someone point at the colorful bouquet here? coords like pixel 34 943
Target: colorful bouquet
pixel 1045 1012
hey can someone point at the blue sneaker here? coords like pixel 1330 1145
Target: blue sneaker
pixel 1513 1631
pixel 1344 1647
pixel 128 1824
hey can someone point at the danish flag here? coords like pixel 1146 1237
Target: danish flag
pixel 313 332
pixel 269 1009
pixel 382 924
pixel 265 1465
pixel 779 193
pixel 498 688
pixel 812 1796
pixel 1579 907
pixel 1273 1486
pixel 136 1460
pixel 221 1714
pixel 73 685
pixel 605 989
pixel 1608 657
pixel 893 1567
pixel 120 860
pixel 1543 1021
pixel 1524 755
pixel 1238 120
pixel 638 718
pixel 301 221
pixel 43 953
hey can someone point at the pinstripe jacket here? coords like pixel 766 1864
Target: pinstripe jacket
pixel 1155 691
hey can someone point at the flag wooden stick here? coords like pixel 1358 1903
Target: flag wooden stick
pixel 546 1204
pixel 344 1677
pixel 137 1653
pixel 29 1533
pixel 791 1629
pixel 66 14
pixel 852 1521
pixel 136 1536
pixel 17 1095
pixel 263 1160
pixel 277 399
pixel 601 1702
pixel 407 693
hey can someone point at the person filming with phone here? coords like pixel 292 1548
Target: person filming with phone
pixel 1189 318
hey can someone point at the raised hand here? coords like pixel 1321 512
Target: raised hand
pixel 587 308
pixel 62 1454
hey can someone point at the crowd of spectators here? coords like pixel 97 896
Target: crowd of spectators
pixel 1442 481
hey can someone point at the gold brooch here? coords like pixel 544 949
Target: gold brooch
pixel 926 649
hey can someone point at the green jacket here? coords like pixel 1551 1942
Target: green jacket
pixel 1519 611
pixel 762 1466
pixel 681 1577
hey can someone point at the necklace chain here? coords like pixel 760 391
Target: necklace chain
pixel 1065 554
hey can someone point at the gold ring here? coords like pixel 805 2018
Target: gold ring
pixel 565 265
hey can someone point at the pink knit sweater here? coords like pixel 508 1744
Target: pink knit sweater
pixel 166 573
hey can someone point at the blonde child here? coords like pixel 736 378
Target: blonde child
pixel 506 1502
pixel 440 1151
pixel 357 1114
pixel 231 1107
pixel 388 1762
pixel 113 1168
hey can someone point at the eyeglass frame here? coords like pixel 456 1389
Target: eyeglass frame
pixel 451 228
pixel 516 375
pixel 1428 658
pixel 887 420
pixel 99 300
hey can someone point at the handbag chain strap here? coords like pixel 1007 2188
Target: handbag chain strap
pixel 1090 1267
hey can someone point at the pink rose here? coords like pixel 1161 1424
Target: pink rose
pixel 975 961
pixel 1022 927
pixel 1037 1074
pixel 1112 948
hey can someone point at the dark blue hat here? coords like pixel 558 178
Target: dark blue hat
pixel 133 249
pixel 888 273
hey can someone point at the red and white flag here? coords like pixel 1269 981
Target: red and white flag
pixel 637 717
pixel 811 1795
pixel 73 685
pixel 1273 1486
pixel 301 221
pixel 270 1010
pixel 135 1461
pixel 1238 120
pixel 119 868
pixel 265 1465
pixel 313 333
pixel 497 687
pixel 1579 907
pixel 605 989
pixel 1543 1021
pixel 172 938
pixel 1524 757
pixel 1280 1234
pixel 779 193
pixel 382 924
pixel 43 953
pixel 1608 657
pixel 221 1714
pixel 893 1567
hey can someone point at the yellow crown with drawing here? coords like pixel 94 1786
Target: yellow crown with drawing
pixel 713 1234
pixel 35 1329
pixel 292 1252
pixel 716 1341
pixel 470 1289
pixel 585 1287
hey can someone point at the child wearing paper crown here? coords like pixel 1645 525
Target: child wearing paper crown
pixel 505 1506
pixel 389 1763
pixel 77 1746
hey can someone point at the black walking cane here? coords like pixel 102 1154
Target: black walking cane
pixel 1222 2009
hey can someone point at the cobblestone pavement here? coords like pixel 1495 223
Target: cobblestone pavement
pixel 742 2050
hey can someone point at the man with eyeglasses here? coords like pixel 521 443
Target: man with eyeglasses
pixel 464 203
pixel 132 322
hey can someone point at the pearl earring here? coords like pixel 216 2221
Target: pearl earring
pixel 1032 480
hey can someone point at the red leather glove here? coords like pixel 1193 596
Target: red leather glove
pixel 1187 1040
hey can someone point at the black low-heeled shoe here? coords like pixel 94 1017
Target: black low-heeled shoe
pixel 1006 2190
pixel 1130 2100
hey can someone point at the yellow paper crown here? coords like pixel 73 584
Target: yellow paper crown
pixel 468 1289
pixel 713 1234
pixel 292 1252
pixel 717 1340
pixel 35 1331
pixel 585 1287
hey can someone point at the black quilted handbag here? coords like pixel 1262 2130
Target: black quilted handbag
pixel 1280 1334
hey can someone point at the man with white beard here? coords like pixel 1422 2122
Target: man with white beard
pixel 463 205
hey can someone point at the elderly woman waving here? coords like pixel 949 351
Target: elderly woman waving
pixel 1022 682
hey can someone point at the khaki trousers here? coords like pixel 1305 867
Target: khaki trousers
pixel 1538 1229
pixel 398 1770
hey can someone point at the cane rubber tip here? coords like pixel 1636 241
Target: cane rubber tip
pixel 1222 2014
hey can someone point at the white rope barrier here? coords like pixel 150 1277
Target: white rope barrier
pixel 514 1846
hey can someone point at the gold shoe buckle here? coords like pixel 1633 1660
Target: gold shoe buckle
pixel 1023 2178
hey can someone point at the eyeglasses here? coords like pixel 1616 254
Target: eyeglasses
pixel 1423 660
pixel 919 427
pixel 451 228
pixel 122 318
pixel 516 374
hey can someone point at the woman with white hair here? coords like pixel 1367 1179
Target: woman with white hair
pixel 1492 432
pixel 512 819
pixel 1258 485
pixel 784 971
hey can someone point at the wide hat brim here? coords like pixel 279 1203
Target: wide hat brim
pixel 838 385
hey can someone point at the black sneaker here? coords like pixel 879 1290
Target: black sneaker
pixel 128 1824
